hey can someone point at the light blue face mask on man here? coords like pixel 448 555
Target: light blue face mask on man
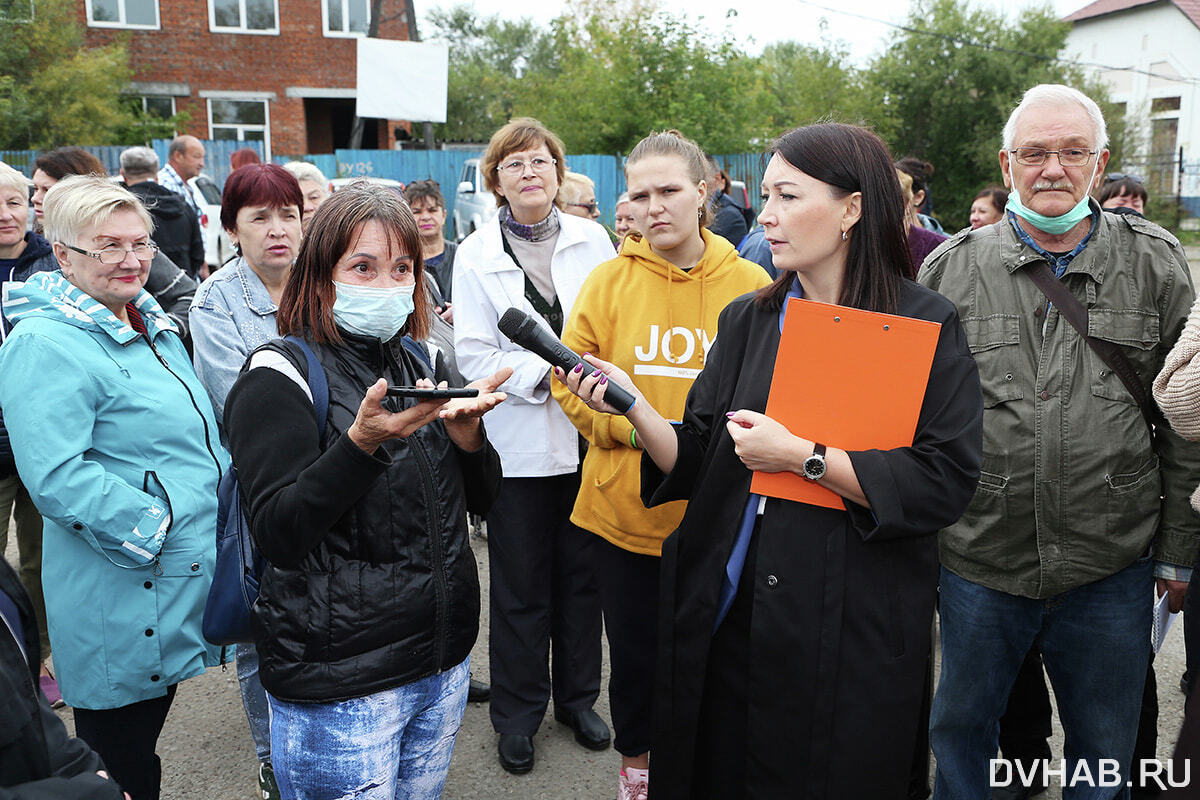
pixel 371 310
pixel 1052 225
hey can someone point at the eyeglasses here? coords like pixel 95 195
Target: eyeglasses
pixel 115 254
pixel 517 166
pixel 590 207
pixel 1067 157
pixel 1121 176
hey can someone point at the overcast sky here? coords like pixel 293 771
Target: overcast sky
pixel 862 24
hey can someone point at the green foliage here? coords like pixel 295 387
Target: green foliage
pixel 619 78
pixel 54 91
pixel 602 81
pixel 946 101
pixel 488 59
pixel 805 84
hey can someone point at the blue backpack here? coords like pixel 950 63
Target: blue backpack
pixel 239 565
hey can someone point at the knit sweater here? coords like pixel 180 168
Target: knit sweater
pixel 1177 387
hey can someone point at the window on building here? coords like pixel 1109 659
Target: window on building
pixel 244 16
pixel 122 13
pixel 156 106
pixel 347 17
pixel 1159 104
pixel 1164 135
pixel 243 120
pixel 16 10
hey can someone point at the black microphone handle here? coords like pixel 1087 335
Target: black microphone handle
pixel 522 330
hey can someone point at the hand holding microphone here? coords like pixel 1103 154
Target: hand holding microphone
pixel 594 382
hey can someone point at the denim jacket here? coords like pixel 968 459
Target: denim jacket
pixel 231 315
pixel 1072 488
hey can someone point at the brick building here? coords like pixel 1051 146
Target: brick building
pixel 280 71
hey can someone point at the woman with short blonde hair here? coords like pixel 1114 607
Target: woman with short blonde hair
pixel 125 474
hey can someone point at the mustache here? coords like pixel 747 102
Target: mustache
pixel 1053 186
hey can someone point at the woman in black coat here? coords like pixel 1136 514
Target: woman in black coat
pixel 793 637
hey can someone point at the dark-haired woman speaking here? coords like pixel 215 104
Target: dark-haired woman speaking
pixel 792 637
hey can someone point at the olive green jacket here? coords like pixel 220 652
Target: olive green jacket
pixel 1072 489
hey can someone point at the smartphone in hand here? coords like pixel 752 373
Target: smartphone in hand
pixel 430 394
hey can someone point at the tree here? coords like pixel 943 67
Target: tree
pixel 617 78
pixel 947 83
pixel 807 83
pixel 488 59
pixel 602 77
pixel 54 91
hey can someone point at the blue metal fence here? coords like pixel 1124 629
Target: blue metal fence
pixel 443 166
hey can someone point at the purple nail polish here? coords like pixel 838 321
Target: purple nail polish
pixel 578 367
pixel 730 414
pixel 594 374
pixel 603 379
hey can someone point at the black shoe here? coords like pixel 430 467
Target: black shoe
pixel 478 692
pixel 516 753
pixel 590 730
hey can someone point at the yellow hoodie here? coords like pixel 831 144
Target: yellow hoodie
pixel 657 323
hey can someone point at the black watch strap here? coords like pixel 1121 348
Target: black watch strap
pixel 818 449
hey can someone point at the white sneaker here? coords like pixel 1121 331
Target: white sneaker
pixel 633 784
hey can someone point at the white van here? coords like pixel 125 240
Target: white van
pixel 474 204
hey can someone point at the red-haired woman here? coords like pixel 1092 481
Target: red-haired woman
pixel 369 603
pixel 233 313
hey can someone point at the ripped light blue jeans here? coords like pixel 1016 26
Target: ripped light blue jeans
pixel 385 746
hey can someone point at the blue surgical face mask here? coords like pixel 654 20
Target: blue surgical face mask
pixel 371 310
pixel 1052 225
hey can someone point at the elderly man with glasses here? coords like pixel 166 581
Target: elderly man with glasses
pixel 1080 509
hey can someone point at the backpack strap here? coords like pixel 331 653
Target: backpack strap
pixel 418 350
pixel 318 385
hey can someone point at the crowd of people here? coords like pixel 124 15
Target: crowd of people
pixel 760 646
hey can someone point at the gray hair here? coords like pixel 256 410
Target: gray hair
pixel 307 171
pixel 624 198
pixel 1056 94
pixel 139 161
pixel 78 201
pixel 13 179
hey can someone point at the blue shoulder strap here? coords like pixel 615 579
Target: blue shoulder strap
pixel 417 349
pixel 318 386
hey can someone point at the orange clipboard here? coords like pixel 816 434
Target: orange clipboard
pixel 850 379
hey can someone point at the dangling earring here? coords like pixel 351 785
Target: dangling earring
pixel 844 236
pixel 700 213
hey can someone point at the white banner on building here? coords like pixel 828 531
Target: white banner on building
pixel 402 80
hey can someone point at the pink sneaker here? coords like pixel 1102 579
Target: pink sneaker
pixel 634 784
pixel 50 689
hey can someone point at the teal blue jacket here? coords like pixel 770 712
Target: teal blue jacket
pixel 116 441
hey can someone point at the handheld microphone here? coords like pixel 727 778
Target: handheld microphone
pixel 523 330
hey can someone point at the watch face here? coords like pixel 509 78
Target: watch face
pixel 814 467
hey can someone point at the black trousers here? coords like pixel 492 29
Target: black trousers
pixel 543 598
pixel 125 738
pixel 629 596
